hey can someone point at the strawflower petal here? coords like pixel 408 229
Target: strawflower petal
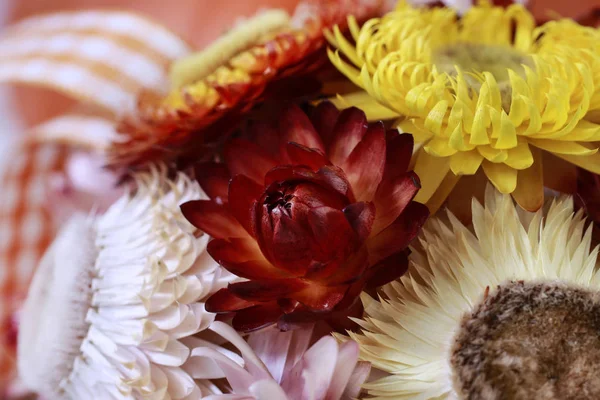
pixel 116 294
pixel 281 365
pixel 477 90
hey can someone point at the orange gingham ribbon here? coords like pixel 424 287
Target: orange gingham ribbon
pixel 26 229
pixel 102 58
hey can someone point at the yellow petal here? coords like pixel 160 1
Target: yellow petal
pixel 501 175
pixel 493 155
pixel 457 139
pixel 420 135
pixel 590 163
pixel 353 26
pixel 349 71
pixel 465 162
pixel 368 83
pixel 529 192
pixel 481 122
pixel 344 46
pixel 431 171
pixel 436 116
pixel 442 192
pixel 507 138
pixel 584 131
pixel 535 119
pixel 520 157
pixel 560 147
pixel 439 148
pixel 361 99
pixel 519 88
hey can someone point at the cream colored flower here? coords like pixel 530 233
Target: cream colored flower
pixel 506 310
pixel 113 297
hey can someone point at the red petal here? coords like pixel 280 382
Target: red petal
pixel 336 179
pixel 289 173
pixel 266 290
pixel 361 216
pixel 265 136
pixel 392 197
pixel 299 318
pixel 291 246
pixel 243 258
pixel 329 177
pixel 246 158
pixel 289 305
pixel 264 231
pixel 324 118
pixel 399 150
pixel 243 194
pixel 321 298
pixel 213 219
pixel 332 233
pixel 352 295
pixel 399 234
pixel 388 270
pixel 301 155
pixel 308 195
pixel 292 86
pixel 214 180
pixel 224 301
pixel 340 320
pixel 365 165
pixel 350 128
pixel 296 127
pixel 255 318
pixel 352 269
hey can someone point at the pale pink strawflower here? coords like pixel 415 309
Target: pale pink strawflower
pixel 278 365
pixel 84 185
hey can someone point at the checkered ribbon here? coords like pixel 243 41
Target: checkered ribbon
pixel 26 229
pixel 104 59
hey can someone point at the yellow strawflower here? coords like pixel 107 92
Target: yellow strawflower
pixel 487 90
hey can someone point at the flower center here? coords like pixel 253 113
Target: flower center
pixel 474 59
pixel 530 341
pixel 199 65
pixel 280 196
pixel 478 58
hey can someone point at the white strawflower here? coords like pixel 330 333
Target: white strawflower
pixel 115 294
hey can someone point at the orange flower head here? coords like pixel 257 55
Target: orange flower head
pixel 214 88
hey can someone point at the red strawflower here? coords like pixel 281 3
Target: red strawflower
pixel 316 211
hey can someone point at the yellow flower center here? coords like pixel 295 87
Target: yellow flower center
pixel 530 341
pixel 199 65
